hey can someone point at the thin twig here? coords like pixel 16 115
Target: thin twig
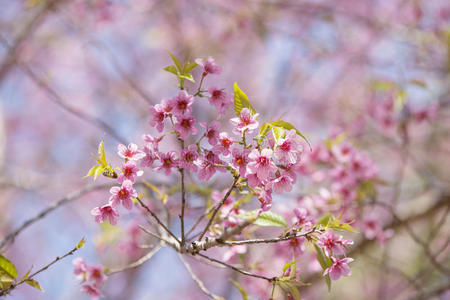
pixel 155 235
pixel 218 208
pixel 197 280
pixel 137 263
pixel 67 199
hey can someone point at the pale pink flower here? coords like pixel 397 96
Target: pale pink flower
pixel 261 164
pixel 105 212
pixel 288 149
pixel 343 152
pixel 188 157
pixel 80 267
pixel 185 126
pixel 95 274
pixel 149 157
pixel 123 195
pixel 245 122
pixel 212 132
pixel 233 251
pixel 303 218
pixel 224 144
pixel 282 183
pixel 92 291
pixel 130 153
pixel 129 171
pixel 219 99
pixel 182 103
pixel 265 198
pixel 339 268
pixel 240 160
pixel 168 162
pixel 297 245
pixel 333 244
pixel 209 66
pixel 153 141
pixel 157 115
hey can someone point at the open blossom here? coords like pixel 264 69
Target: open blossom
pixel 129 171
pixel 245 122
pixel 92 291
pixel 123 195
pixel 209 66
pixel 219 99
pixel 153 141
pixel 282 183
pixel 261 164
pixel 240 160
pixel 168 161
pixel 188 157
pixel 333 244
pixel 182 103
pixel 288 149
pixel 185 126
pixel 157 115
pixel 343 152
pixel 224 144
pixel 207 165
pixel 130 153
pixel 105 212
pixel 339 268
pixel 95 274
pixel 149 157
pixel 212 132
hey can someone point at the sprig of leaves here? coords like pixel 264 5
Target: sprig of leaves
pixel 103 166
pixel 183 72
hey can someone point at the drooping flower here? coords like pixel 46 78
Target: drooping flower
pixel 123 194
pixel 93 291
pixel 188 157
pixel 149 157
pixel 153 141
pixel 245 122
pixel 130 153
pixel 288 149
pixel 240 160
pixel 339 268
pixel 80 267
pixel 261 163
pixel 105 212
pixel 209 66
pixel 130 171
pixel 185 126
pixel 212 132
pixel 282 183
pixel 95 274
pixel 182 103
pixel 219 99
pixel 333 244
pixel 157 115
pixel 168 162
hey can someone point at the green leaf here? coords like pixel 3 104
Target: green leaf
pixel 289 264
pixel 187 76
pixel 290 288
pixel 269 218
pixel 176 62
pixel 7 267
pixel 101 153
pixel 189 66
pixel 81 243
pixel 241 101
pixel 5 280
pixel 289 126
pixel 325 262
pixel 171 69
pixel 324 220
pixel 241 289
pixel 34 284
pixel 92 171
pixel 278 132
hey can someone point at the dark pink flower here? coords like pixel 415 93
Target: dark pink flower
pixel 339 268
pixel 105 212
pixel 168 161
pixel 157 115
pixel 261 164
pixel 130 153
pixel 219 99
pixel 92 291
pixel 149 157
pixel 182 103
pixel 209 66
pixel 129 171
pixel 245 122
pixel 185 126
pixel 188 157
pixel 333 244
pixel 123 195
pixel 212 132
pixel 224 144
pixel 240 160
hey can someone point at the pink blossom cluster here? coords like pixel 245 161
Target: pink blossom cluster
pixel 92 277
